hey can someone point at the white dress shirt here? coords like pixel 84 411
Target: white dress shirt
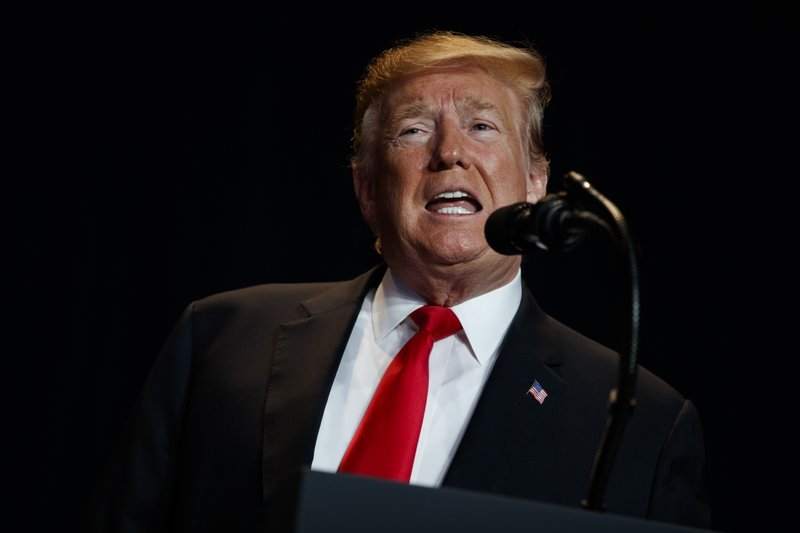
pixel 459 366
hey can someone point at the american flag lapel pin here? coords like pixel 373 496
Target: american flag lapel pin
pixel 537 391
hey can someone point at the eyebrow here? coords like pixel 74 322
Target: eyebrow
pixel 478 104
pixel 410 111
pixel 420 108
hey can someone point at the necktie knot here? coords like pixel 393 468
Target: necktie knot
pixel 439 321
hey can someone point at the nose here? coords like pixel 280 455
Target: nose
pixel 451 148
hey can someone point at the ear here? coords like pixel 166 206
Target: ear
pixel 364 186
pixel 537 185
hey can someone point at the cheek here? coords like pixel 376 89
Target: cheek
pixel 401 176
pixel 389 195
pixel 401 161
pixel 513 172
pixel 505 179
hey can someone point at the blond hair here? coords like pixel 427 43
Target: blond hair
pixel 521 67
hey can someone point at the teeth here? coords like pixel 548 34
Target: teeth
pixel 452 194
pixel 453 211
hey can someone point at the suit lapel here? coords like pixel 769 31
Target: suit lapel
pixel 508 419
pixel 307 353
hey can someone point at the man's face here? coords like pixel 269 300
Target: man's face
pixel 452 152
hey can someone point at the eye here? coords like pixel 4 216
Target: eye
pixel 410 131
pixel 482 126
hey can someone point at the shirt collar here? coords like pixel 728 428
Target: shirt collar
pixel 485 318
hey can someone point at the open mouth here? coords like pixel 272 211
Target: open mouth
pixel 453 203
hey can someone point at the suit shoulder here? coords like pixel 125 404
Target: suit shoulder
pixel 282 302
pixel 264 302
pixel 257 294
pixel 599 363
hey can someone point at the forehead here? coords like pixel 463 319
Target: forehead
pixel 460 86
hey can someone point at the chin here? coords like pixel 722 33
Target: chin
pixel 453 255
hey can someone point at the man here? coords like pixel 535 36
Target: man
pixel 255 384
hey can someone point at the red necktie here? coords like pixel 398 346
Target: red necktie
pixel 385 442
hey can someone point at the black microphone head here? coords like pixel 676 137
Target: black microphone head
pixel 501 228
pixel 522 228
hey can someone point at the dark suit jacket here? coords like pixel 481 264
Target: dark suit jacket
pixel 229 414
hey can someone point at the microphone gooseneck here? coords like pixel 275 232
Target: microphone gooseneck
pixel 558 223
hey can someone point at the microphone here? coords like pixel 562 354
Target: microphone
pixel 557 222
pixel 553 223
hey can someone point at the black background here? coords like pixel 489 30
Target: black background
pixel 156 154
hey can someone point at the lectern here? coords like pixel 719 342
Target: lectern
pixel 351 504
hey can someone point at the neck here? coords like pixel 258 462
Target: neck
pixel 451 285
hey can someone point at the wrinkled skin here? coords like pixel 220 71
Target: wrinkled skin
pixel 447 130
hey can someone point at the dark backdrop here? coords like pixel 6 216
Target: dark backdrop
pixel 157 154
